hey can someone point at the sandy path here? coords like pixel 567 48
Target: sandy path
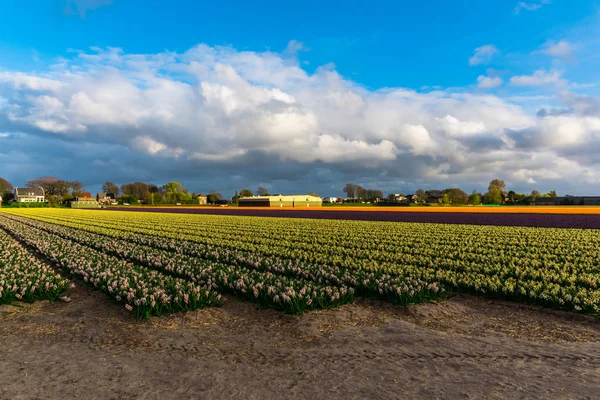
pixel 465 347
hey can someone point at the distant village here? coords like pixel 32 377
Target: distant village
pixel 51 191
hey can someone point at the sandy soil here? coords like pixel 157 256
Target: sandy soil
pixel 464 347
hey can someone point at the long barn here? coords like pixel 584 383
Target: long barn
pixel 300 200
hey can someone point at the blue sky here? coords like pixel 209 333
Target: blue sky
pixel 302 97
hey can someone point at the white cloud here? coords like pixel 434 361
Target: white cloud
pixel 487 82
pixel 147 144
pixel 25 81
pixel 293 47
pixel 539 77
pixel 561 49
pixel 530 6
pixel 457 128
pixel 249 111
pixel 483 54
pixel 568 130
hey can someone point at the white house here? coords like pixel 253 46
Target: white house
pixel 399 197
pixel 30 195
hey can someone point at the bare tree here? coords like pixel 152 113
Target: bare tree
pixel 5 187
pixel 110 187
pixel 213 196
pixel 350 190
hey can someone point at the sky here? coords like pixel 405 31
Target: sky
pixel 302 96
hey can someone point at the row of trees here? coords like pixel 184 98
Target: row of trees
pixel 359 193
pixel 170 193
pixel 58 190
pixel 496 194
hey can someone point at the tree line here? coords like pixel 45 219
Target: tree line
pixel 496 194
pixel 55 189
pixel 357 192
pixel 58 190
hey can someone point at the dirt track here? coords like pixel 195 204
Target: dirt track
pixel 465 347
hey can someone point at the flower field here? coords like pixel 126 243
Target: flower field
pixel 296 265
pixel 23 277
pixel 583 217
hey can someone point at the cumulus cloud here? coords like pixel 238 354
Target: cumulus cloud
pixel 224 118
pixel 530 6
pixel 457 128
pixel 562 49
pixel 487 82
pixel 539 77
pixel 25 81
pixel 483 54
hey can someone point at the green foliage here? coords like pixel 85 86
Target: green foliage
pixel 445 199
pixel 455 196
pixel 246 193
pixel 499 184
pixel 495 192
pixel 474 198
pixel 129 198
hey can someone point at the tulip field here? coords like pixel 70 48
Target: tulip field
pixel 157 263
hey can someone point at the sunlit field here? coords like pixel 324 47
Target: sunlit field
pixel 157 263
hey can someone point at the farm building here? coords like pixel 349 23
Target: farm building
pixel 281 201
pixel 30 195
pixel 85 201
pixel 202 199
pixel 330 199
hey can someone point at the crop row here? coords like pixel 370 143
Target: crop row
pixel 328 286
pixel 558 248
pixel 550 266
pixel 381 235
pixel 144 291
pixel 457 265
pixel 23 277
pixel 289 295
